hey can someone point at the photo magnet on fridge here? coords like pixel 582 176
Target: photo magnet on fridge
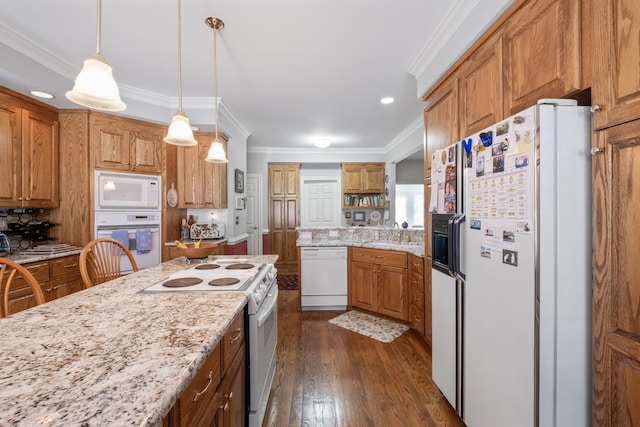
pixel 510 257
pixel 475 224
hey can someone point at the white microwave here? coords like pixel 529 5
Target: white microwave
pixel 115 190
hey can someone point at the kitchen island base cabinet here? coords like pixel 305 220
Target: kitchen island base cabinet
pixel 378 282
pixel 216 396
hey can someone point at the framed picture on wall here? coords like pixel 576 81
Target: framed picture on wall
pixel 239 181
pixel 358 216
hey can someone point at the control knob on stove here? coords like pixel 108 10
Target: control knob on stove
pixel 258 293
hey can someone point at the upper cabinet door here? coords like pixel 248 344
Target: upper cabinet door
pixel 373 178
pixel 441 119
pixel 542 53
pixel 145 150
pixel 481 95
pixel 10 155
pixel 110 141
pixel 40 160
pixel 616 61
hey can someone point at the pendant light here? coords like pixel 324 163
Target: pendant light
pixel 94 86
pixel 216 152
pixel 180 132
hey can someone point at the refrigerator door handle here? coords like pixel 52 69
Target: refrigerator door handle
pixel 451 248
pixel 456 222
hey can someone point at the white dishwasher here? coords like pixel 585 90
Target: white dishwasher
pixel 323 285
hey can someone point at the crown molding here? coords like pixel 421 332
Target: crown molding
pixel 417 124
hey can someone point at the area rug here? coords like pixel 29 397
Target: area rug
pixel 287 282
pixel 371 326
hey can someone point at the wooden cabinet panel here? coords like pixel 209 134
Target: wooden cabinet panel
pixel 373 179
pixel 616 61
pixel 198 402
pixel 379 256
pixel 416 293
pixel 284 211
pixel 351 179
pixel 392 292
pixel 232 392
pixel 616 272
pixel 122 144
pixel 481 81
pixel 363 285
pixel 441 120
pixel 363 185
pixel 232 341
pixel 201 184
pixel 28 154
pixel 542 53
pixel 427 300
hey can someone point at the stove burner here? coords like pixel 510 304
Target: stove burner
pixel 224 281
pixel 207 266
pixel 239 266
pixel 182 282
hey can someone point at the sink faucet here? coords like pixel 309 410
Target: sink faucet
pixel 395 225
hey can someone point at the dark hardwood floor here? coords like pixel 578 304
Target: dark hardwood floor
pixel 329 376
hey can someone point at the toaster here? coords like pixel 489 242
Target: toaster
pixel 5 246
pixel 207 231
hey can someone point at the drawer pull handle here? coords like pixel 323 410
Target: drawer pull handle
pixel 71 265
pixel 200 393
pixel 236 337
pixel 378 256
pixel 225 408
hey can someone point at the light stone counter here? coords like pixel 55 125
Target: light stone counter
pixel 108 355
pixel 24 257
pixel 404 240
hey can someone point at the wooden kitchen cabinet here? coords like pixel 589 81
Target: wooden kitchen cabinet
pixel 481 82
pixel 28 153
pixel 126 145
pixel 201 184
pixel 363 185
pixel 616 62
pixel 284 214
pixel 378 281
pixel 416 293
pixel 441 120
pixel 57 277
pixel 216 396
pixel 542 46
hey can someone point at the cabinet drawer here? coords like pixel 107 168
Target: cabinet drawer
pixel 39 270
pixel 416 264
pixel 233 340
pixel 196 402
pixel 416 298
pixel 64 266
pixel 417 283
pixel 379 256
pixel 416 317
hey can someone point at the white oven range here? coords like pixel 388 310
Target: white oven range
pixel 106 222
pixel 258 281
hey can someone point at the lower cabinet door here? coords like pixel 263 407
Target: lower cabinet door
pixel 392 292
pixel 363 284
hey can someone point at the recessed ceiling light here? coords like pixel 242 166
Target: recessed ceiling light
pixel 40 94
pixel 322 142
pixel 386 100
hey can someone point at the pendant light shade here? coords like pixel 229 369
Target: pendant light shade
pixel 180 132
pixel 216 152
pixel 94 86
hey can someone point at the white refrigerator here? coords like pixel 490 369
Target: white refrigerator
pixel 512 309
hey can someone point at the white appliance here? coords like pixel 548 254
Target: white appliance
pixel 259 283
pixel 511 284
pixel 106 222
pixel 122 191
pixel 323 281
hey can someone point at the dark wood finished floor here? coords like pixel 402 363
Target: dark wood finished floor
pixel 329 376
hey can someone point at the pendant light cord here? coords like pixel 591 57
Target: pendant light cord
pixel 99 27
pixel 215 74
pixel 179 55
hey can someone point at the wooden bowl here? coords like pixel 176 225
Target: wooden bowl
pixel 192 252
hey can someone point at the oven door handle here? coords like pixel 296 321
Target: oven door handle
pixel 272 305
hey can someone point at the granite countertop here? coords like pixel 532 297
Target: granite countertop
pixel 109 355
pixel 412 248
pixel 25 257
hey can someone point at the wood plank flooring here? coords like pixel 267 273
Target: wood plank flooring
pixel 329 376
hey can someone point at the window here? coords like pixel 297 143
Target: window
pixel 410 205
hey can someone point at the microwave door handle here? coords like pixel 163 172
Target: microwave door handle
pixel 457 221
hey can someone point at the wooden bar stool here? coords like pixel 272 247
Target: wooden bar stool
pixel 100 261
pixel 10 271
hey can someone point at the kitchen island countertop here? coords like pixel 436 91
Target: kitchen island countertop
pixel 109 355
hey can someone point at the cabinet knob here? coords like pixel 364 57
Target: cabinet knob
pixel 596 150
pixel 19 198
pixel 595 108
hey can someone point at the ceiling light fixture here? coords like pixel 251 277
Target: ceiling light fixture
pixel 216 152
pixel 180 132
pixel 94 86
pixel 386 100
pixel 322 142
pixel 41 94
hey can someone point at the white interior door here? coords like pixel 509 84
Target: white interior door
pixel 252 192
pixel 320 200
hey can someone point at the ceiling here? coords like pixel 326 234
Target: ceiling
pixel 288 70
